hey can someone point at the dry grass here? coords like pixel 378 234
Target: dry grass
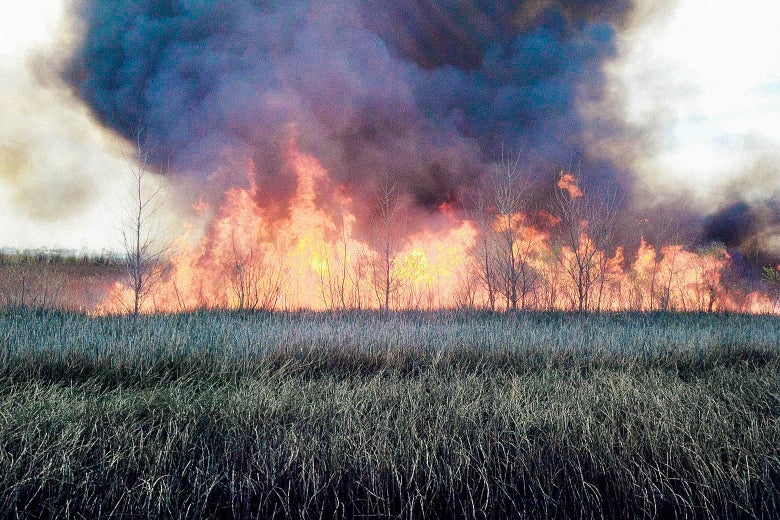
pixel 408 415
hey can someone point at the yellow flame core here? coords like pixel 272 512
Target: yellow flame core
pixel 310 259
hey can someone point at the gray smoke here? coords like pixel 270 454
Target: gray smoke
pixel 426 92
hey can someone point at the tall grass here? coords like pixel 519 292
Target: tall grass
pixel 404 415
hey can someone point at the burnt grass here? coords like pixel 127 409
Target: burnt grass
pixel 409 415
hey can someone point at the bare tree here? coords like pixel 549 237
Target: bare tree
pixel 385 279
pixel 334 272
pixel 711 260
pixel 653 290
pixel 508 203
pixel 484 252
pixel 502 254
pixel 771 277
pixel 141 233
pixel 255 283
pixel 674 271
pixel 512 252
pixel 586 233
pixel 550 283
pixel 465 296
pixel 358 274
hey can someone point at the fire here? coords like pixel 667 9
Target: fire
pixel 200 207
pixel 548 219
pixel 314 258
pixel 568 183
pixel 310 259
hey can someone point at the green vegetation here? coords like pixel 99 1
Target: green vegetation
pixel 404 415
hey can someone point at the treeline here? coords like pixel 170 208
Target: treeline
pixel 56 279
pixel 39 256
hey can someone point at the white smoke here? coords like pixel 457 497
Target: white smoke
pixel 60 172
pixel 702 79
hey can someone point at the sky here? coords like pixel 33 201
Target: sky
pixel 58 168
pixel 707 77
pixel 696 82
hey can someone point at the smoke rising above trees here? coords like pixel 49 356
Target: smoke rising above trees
pixel 428 92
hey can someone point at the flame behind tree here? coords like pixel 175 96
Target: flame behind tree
pixel 568 182
pixel 771 276
pixel 586 230
pixel 483 251
pixel 385 279
pixel 425 94
pixel 315 257
pixel 513 269
pixel 311 258
pixel 141 234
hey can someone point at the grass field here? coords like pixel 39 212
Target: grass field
pixel 414 415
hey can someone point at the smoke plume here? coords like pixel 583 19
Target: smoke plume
pixel 428 93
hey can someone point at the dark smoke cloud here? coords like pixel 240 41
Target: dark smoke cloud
pixel 428 92
pixel 732 224
pixel 748 218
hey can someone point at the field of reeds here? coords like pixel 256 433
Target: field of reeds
pixel 410 415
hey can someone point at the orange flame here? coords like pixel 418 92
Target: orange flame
pixel 312 258
pixel 568 183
